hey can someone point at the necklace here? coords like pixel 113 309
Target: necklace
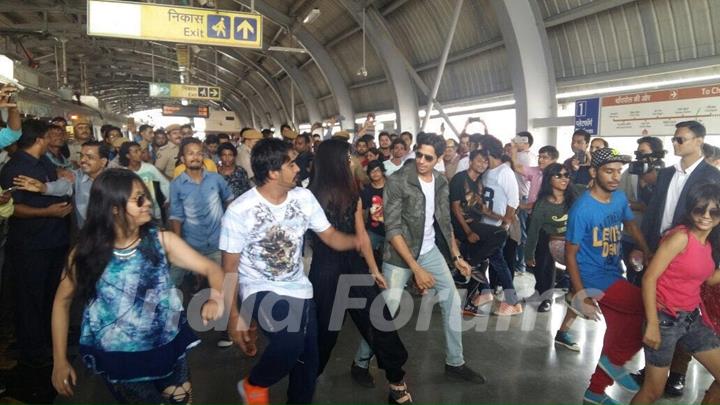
pixel 130 244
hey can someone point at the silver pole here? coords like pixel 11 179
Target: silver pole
pixel 443 61
pixel 64 62
pixel 292 103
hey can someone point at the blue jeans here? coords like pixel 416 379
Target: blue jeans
pixel 292 350
pixel 520 251
pixel 450 305
pixel 499 266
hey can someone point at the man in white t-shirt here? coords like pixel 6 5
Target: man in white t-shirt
pixel 502 196
pixel 261 240
pixel 523 156
pixel 398 149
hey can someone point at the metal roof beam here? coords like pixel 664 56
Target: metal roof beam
pixel 530 64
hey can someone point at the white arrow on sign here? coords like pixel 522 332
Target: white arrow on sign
pixel 214 92
pixel 246 28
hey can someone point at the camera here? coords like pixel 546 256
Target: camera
pixel 646 162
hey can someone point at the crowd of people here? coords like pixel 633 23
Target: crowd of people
pixel 134 225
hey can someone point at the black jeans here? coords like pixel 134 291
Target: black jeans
pixel 290 326
pixel 491 239
pixel 327 281
pixel 37 276
pixel 544 269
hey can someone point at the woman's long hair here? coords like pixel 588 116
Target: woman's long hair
pixel 332 180
pixel 109 195
pixel 701 195
pixel 546 189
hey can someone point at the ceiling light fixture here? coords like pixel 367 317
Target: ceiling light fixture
pixel 311 16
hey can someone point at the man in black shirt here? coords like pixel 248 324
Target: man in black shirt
pixel 37 243
pixel 468 208
pixel 303 147
pixel 579 165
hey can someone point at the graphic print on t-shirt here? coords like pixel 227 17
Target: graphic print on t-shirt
pixel 377 215
pixel 488 196
pixel 276 242
pixel 472 202
pixel 608 236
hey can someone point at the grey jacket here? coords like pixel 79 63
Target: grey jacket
pixel 404 209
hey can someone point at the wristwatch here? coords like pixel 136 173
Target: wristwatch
pixel 456 258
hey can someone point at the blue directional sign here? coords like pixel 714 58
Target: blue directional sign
pixel 245 29
pixel 587 115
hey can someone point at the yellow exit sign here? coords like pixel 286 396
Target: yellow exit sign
pixel 174 24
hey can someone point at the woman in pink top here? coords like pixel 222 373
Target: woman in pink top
pixel 671 293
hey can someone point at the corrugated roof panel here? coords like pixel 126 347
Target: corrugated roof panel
pixel 373 98
pixel 317 80
pixel 333 21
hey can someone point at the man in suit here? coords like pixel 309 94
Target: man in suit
pixel 666 210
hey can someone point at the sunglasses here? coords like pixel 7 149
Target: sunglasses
pixel 140 200
pixel 563 175
pixel 428 158
pixel 680 140
pixel 701 211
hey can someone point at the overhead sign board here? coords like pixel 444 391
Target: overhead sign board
pixel 656 112
pixel 587 115
pixel 187 91
pixel 174 24
pixel 177 110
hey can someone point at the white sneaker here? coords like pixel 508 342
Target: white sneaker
pixel 506 309
pixel 224 341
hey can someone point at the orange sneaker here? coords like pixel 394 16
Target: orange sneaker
pixel 253 395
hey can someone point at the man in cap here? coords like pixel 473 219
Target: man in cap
pixel 250 137
pixel 82 133
pixel 593 253
pixel 167 155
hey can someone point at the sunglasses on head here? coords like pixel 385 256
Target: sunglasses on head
pixel 428 158
pixel 700 211
pixel 562 175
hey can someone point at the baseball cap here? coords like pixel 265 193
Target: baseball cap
pixel 608 155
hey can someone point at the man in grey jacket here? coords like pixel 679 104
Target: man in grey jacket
pixel 417 232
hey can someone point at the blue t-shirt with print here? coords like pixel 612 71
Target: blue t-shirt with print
pixel 596 227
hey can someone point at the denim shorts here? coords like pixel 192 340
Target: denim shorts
pixel 688 329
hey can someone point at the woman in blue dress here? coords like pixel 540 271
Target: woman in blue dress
pixel 134 330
